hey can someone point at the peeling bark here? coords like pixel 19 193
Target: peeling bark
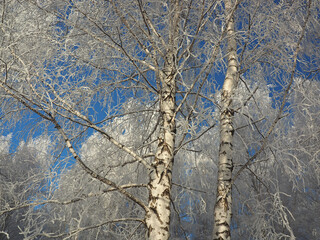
pixel 223 205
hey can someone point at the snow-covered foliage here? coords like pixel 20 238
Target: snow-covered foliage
pixel 115 108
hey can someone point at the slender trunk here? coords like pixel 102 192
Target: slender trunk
pixel 222 209
pixel 158 218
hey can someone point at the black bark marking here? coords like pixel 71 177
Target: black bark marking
pixel 166 192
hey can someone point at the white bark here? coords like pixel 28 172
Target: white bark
pixel 222 209
pixel 160 182
pixel 158 218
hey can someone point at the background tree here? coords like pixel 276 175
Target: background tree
pixel 24 179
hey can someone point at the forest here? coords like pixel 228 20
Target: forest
pixel 160 119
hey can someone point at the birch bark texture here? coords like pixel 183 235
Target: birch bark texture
pixel 159 186
pixel 223 205
pixel 157 218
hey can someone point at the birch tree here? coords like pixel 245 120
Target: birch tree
pixel 223 210
pixel 169 73
pixel 223 204
pixel 59 75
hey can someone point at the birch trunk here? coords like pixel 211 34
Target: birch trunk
pixel 158 217
pixel 222 209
